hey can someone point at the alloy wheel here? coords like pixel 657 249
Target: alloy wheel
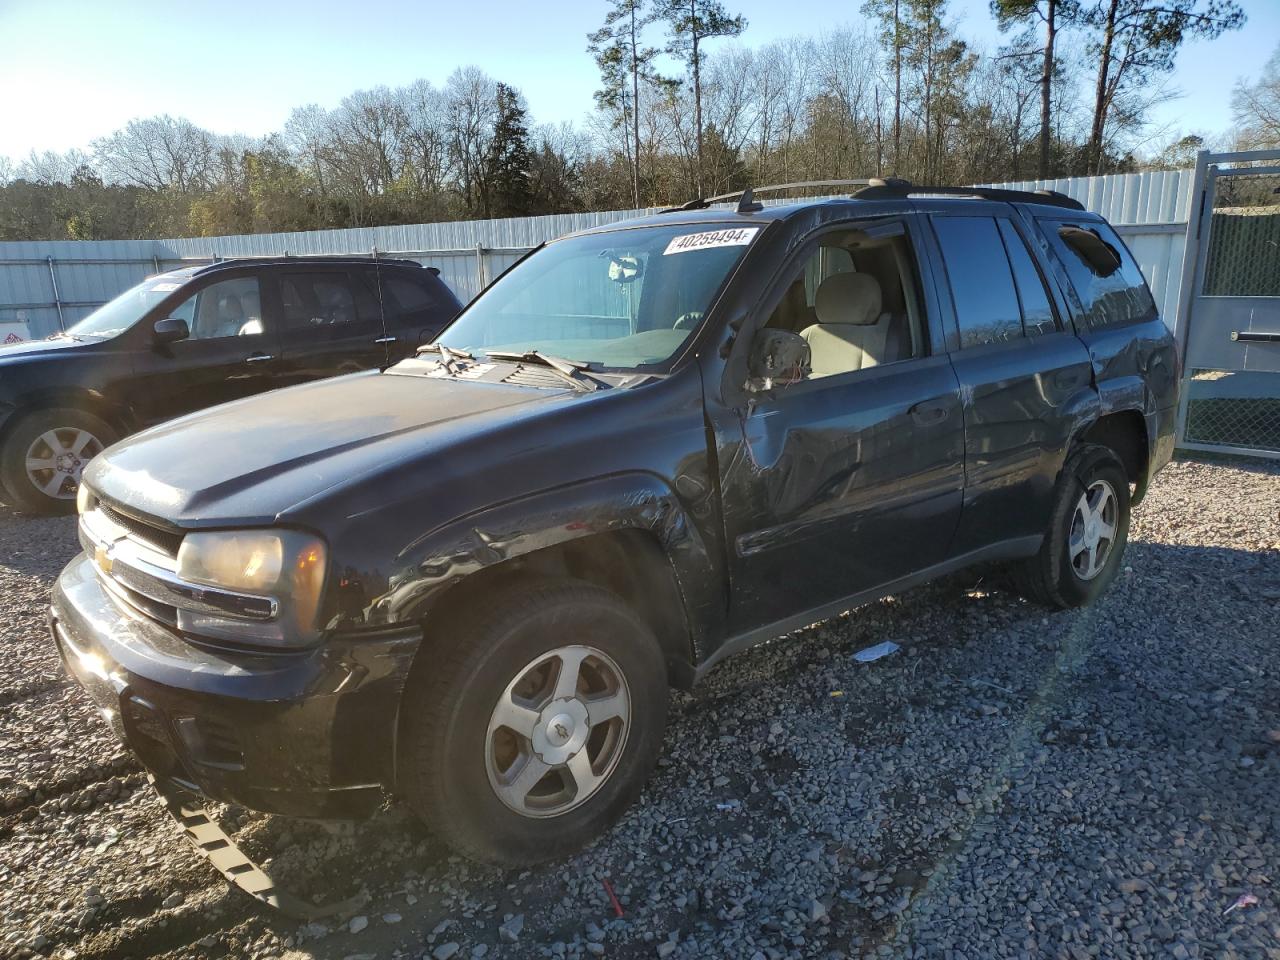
pixel 1093 530
pixel 56 459
pixel 557 732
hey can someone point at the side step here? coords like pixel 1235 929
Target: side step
pixel 212 842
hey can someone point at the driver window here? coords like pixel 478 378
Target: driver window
pixel 228 308
pixel 853 300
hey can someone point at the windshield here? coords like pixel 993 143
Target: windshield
pixel 127 309
pixel 621 299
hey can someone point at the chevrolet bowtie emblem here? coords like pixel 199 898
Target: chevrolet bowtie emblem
pixel 102 557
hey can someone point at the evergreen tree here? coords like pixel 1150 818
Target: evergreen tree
pixel 691 22
pixel 1139 39
pixel 1055 15
pixel 510 158
pixel 624 61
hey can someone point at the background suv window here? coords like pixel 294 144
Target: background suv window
pixel 228 308
pixel 325 302
pixel 1102 272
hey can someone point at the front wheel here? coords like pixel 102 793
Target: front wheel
pixel 1088 530
pixel 532 725
pixel 45 454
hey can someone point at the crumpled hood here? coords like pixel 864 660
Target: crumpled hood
pixel 249 461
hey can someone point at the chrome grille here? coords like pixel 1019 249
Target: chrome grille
pixel 167 541
pixel 144 575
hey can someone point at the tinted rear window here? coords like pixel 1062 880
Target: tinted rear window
pixel 982 287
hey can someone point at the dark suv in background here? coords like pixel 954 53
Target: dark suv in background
pixel 191 338
pixel 471 578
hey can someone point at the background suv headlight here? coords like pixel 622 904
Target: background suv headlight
pixel 287 566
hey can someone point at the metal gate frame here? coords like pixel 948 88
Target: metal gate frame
pixel 1209 167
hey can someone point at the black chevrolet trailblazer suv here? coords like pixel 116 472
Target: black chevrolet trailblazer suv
pixel 191 338
pixel 470 579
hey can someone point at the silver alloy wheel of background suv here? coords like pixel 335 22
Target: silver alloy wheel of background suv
pixel 558 731
pixel 56 459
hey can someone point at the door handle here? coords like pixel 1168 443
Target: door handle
pixel 258 357
pixel 1255 336
pixel 385 340
pixel 928 412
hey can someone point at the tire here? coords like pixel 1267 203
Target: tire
pixel 460 768
pixel 64 437
pixel 1057 576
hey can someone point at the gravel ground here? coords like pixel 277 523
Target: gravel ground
pixel 1099 783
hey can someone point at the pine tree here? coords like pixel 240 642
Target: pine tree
pixel 510 157
pixel 1139 39
pixel 1055 14
pixel 623 60
pixel 690 23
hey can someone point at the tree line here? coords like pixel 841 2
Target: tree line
pixel 682 110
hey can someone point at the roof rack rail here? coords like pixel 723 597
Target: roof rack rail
pixel 885 188
pixel 747 202
pixel 901 190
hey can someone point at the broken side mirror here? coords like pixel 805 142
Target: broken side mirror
pixel 777 358
pixel 169 330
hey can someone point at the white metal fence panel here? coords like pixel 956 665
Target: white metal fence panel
pixel 1149 210
pixel 49 285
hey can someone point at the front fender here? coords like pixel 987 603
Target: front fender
pixel 518 528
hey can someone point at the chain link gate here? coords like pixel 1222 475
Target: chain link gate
pixel 1230 324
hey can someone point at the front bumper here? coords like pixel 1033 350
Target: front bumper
pixel 309 734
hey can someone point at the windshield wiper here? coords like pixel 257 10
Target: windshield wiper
pixel 448 356
pixel 570 371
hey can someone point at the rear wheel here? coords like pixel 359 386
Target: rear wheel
pixel 45 455
pixel 1088 530
pixel 532 725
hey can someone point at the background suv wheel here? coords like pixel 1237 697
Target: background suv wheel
pixel 532 724
pixel 45 454
pixel 1088 530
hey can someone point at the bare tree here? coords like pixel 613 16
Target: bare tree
pixel 471 111
pixel 1256 107
pixel 159 153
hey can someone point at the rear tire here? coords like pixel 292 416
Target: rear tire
pixel 46 453
pixel 551 674
pixel 1088 530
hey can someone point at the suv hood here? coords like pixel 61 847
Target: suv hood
pixel 249 461
pixel 34 349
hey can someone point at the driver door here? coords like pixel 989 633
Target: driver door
pixel 853 477
pixel 230 353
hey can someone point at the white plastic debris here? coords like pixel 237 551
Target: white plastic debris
pixel 1242 902
pixel 876 652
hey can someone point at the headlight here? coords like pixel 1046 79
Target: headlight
pixel 84 499
pixel 287 566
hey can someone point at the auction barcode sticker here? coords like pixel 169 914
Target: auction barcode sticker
pixel 737 237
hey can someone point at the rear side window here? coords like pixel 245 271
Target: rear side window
pixel 324 301
pixel 1037 312
pixel 413 301
pixel 981 280
pixel 1107 281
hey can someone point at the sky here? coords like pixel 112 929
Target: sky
pixel 72 70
